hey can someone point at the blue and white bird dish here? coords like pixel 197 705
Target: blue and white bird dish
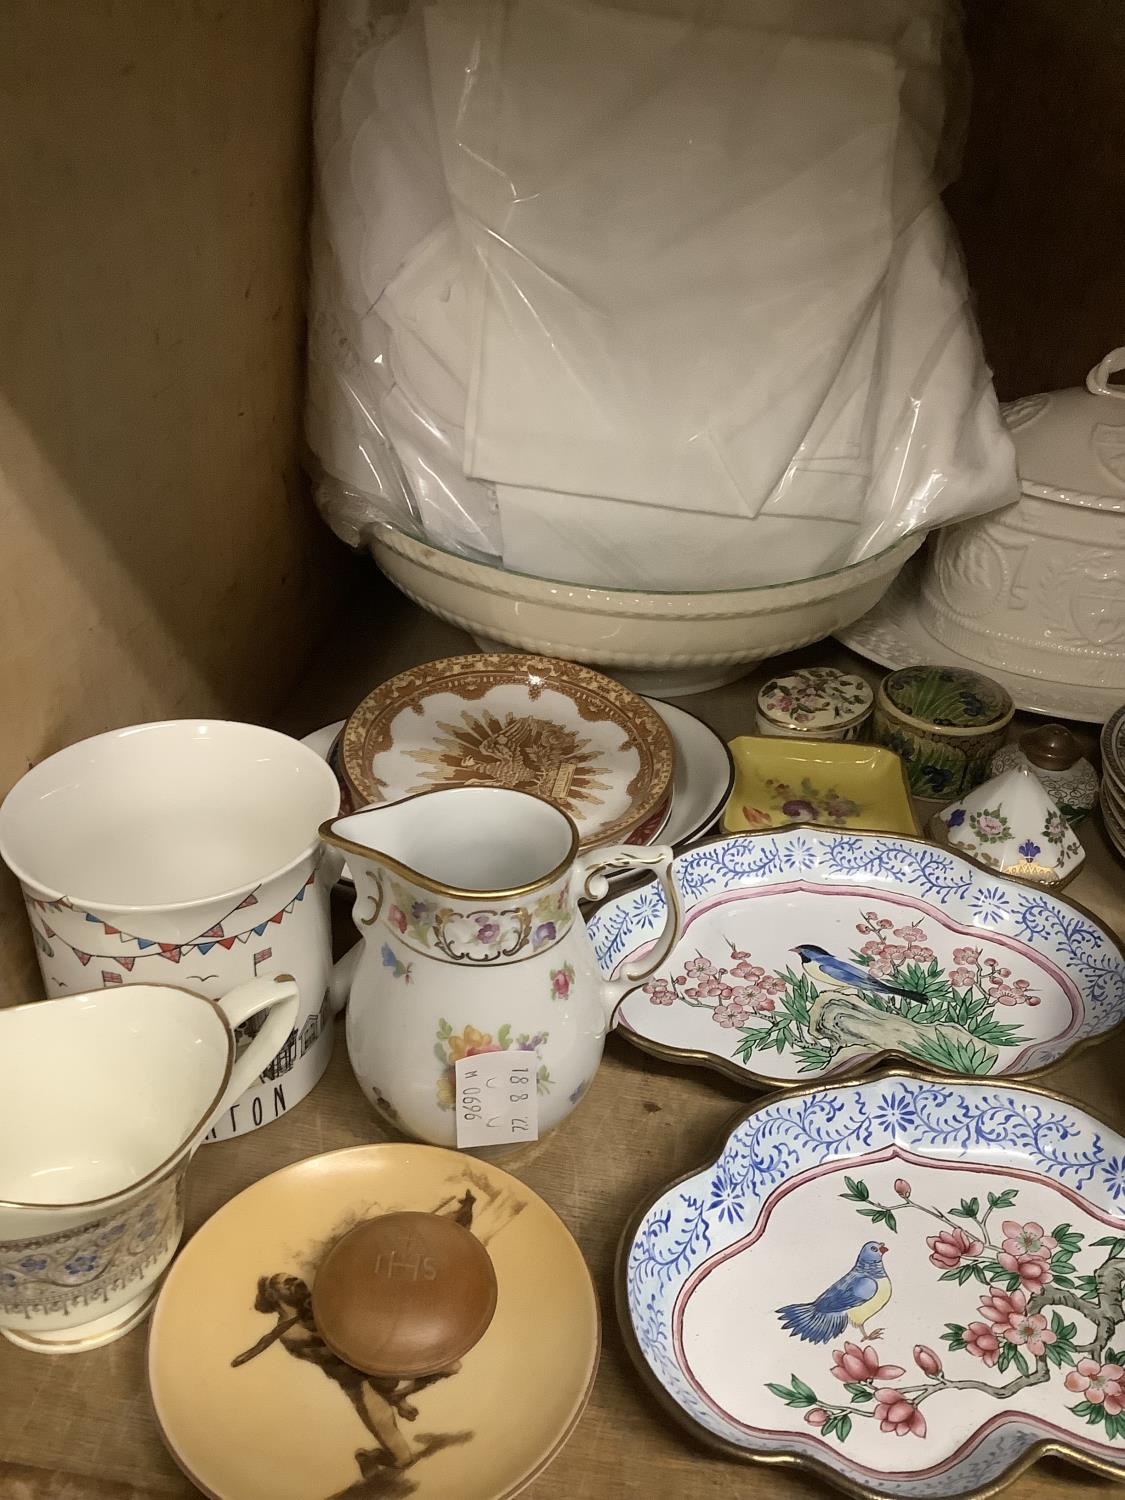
pixel 981 1330
pixel 812 953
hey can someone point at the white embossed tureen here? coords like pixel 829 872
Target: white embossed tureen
pixel 1040 585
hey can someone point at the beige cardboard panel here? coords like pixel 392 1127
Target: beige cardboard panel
pixel 158 553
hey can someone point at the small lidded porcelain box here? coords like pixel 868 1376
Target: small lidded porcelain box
pixel 946 722
pixel 818 703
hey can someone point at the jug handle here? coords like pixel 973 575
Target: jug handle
pixel 591 884
pixel 277 993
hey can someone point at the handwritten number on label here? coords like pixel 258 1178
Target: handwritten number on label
pixel 497 1100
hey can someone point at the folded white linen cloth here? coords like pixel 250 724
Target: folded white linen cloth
pixel 395 174
pixel 456 513
pixel 671 234
pixel 605 543
pixel 910 436
pixel 632 296
pixel 425 307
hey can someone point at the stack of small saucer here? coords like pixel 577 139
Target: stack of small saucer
pixel 1113 780
pixel 625 768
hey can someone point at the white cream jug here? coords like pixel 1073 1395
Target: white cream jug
pixel 467 901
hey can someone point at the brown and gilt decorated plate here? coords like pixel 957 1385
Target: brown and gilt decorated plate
pixel 252 1402
pixel 529 723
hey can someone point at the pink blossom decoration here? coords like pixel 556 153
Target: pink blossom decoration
pixel 745 970
pixel 1027 1239
pixel 1032 1270
pixel 999 1307
pixel 911 935
pixel 1102 1385
pixel 1030 1329
pixel 948 1248
pixel 659 992
pixel 982 1342
pixel 860 1365
pixel 729 1015
pixel 897 1414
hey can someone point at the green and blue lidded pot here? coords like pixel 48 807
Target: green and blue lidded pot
pixel 945 722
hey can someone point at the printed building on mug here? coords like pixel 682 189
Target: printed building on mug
pixel 284 1059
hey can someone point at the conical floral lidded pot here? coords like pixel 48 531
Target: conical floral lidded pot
pixel 1012 824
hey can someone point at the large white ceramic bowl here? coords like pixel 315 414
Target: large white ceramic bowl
pixel 665 644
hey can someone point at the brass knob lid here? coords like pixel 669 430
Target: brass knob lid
pixel 1051 747
pixel 404 1294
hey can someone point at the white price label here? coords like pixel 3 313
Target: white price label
pixel 497 1102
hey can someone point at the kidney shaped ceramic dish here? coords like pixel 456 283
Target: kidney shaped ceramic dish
pixel 978 1230
pixel 252 1401
pixel 527 723
pixel 812 952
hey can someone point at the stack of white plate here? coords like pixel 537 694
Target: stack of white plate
pixel 1113 779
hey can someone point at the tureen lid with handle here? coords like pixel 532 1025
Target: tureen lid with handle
pixel 1070 445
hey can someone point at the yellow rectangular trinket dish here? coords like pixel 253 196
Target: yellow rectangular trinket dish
pixel 835 784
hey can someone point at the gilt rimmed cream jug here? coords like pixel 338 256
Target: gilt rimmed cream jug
pixel 473 942
pixel 106 1097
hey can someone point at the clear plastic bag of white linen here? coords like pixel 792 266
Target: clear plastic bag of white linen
pixel 655 295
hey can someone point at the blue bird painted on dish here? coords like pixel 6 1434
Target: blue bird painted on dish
pixel 858 1295
pixel 831 972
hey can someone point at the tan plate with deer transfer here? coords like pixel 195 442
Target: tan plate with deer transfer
pixel 250 1400
pixel 529 723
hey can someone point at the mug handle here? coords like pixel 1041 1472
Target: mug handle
pixel 591 885
pixel 277 993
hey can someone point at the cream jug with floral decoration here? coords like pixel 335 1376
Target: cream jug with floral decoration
pixel 467 901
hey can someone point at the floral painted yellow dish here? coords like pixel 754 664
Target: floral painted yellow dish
pixel 836 785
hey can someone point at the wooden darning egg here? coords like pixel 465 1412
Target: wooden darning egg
pixel 404 1294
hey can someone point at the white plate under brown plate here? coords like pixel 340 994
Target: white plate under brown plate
pixel 704 774
pixel 528 723
pixel 813 952
pixel 893 635
pixel 975 1229
pixel 252 1403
